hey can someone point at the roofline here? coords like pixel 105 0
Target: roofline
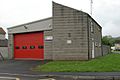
pixel 94 20
pixel 51 18
pixel 79 11
pixel 69 7
pixel 30 22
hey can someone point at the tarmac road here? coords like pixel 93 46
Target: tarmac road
pixel 21 70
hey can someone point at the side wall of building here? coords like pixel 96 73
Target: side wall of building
pixel 70 34
pixel 98 41
pixel 95 36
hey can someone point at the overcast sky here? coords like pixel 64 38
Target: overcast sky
pixel 105 12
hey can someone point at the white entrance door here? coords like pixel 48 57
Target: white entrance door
pixel 93 50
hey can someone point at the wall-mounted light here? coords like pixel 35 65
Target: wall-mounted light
pixel 50 25
pixel 25 27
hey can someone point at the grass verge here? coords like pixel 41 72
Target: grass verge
pixel 108 63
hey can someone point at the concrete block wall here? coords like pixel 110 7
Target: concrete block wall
pixel 70 28
pixel 98 42
pixel 94 36
pixel 69 24
pixel 10 46
pixel 48 46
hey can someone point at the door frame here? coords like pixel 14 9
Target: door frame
pixel 93 49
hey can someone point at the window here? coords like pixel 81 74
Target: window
pixel 40 47
pixel 24 47
pixel 17 47
pixel 32 47
pixel 92 26
pixel 69 34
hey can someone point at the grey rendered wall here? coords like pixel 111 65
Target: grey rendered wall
pixel 69 24
pixel 10 46
pixel 47 46
pixel 95 37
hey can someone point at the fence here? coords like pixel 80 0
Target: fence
pixel 106 49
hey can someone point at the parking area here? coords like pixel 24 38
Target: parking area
pixel 18 67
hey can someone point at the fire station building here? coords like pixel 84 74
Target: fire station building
pixel 69 34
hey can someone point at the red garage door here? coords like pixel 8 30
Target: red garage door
pixel 29 46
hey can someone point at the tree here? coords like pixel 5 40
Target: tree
pixel 108 40
pixel 117 40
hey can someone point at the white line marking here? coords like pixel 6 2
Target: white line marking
pixel 47 79
pixel 29 75
pixel 9 78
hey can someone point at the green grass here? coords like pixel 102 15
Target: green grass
pixel 108 63
pixel 116 51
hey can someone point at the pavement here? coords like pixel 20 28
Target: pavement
pixel 23 70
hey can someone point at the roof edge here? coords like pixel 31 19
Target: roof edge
pixel 94 20
pixel 30 22
pixel 69 7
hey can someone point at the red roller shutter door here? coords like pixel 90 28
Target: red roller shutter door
pixel 29 46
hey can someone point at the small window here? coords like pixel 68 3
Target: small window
pixel 24 47
pixel 17 47
pixel 69 34
pixel 40 47
pixel 92 27
pixel 32 47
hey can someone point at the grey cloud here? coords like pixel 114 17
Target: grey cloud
pixel 108 15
